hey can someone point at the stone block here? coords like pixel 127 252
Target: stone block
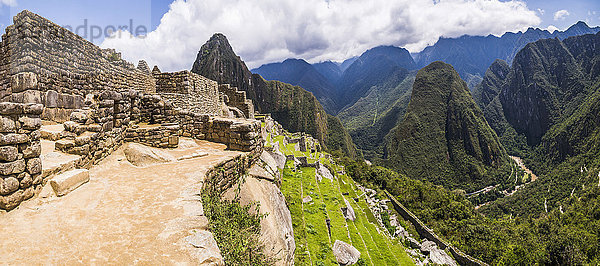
pixel 69 181
pixel 15 167
pixel 11 201
pixel 30 123
pixel 12 139
pixel 8 185
pixel 51 99
pixel 31 150
pixel 8 153
pixel 64 144
pixel 7 125
pixel 34 166
pixel 24 81
pixel 33 108
pixel 29 96
pixel 8 108
pixel 26 181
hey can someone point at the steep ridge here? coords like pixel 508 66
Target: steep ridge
pixel 292 106
pixel 372 117
pixel 565 155
pixel 473 54
pixel 544 84
pixel 444 137
pixel 371 68
pixel 491 84
pixel 300 73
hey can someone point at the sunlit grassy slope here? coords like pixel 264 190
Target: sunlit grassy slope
pixel 313 242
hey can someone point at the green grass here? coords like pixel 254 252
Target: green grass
pixel 313 243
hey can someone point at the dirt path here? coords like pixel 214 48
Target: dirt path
pixel 522 165
pixel 124 215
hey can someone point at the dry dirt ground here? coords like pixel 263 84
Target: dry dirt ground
pixel 124 215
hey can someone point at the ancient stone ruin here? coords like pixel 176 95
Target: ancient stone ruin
pixel 57 86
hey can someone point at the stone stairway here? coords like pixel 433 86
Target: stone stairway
pixel 59 168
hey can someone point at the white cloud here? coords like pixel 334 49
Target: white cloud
pixel 552 28
pixel 561 14
pixel 316 30
pixel 541 11
pixel 8 3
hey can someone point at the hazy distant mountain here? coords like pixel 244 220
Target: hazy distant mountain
pixel 300 73
pixel 371 68
pixel 330 70
pixel 474 54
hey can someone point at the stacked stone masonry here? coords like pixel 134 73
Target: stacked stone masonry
pixel 190 91
pixel 49 73
pixel 237 99
pixel 159 136
pixel 20 164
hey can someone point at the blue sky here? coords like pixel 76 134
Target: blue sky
pixel 271 30
pixel 74 13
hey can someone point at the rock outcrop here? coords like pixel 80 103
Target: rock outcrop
pixel 296 109
pixel 348 211
pixel 141 155
pixel 344 253
pixel 276 230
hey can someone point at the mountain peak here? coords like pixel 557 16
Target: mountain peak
pixel 444 137
pixel 216 60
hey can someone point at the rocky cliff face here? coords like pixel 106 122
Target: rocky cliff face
pixel 296 109
pixel 544 84
pixel 444 137
pixel 491 84
pixel 216 60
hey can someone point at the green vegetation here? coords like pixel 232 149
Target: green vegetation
pixel 236 229
pixel 554 238
pixel 444 137
pixel 313 241
pixel 372 117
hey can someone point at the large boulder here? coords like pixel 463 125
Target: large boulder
pixel 440 257
pixel 261 173
pixel 278 156
pixel 141 155
pixel 207 252
pixel 276 230
pixel 427 246
pixel 348 211
pixel 324 172
pixel 344 253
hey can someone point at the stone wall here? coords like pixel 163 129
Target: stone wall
pixel 102 101
pixel 428 234
pixel 20 165
pixel 68 67
pixel 238 134
pixel 227 174
pixel 159 136
pixel 189 91
pixel 237 99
